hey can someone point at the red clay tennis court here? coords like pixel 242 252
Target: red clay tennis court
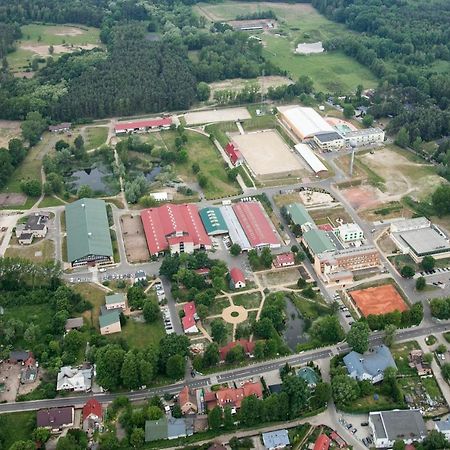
pixel 378 300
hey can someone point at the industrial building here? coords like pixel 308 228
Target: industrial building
pixel 329 141
pixel 304 122
pixel 316 165
pixel 235 230
pixel 318 242
pixel 174 228
pixel 390 426
pixel 143 125
pixel 349 232
pixel 88 236
pixel 213 221
pixel 366 136
pixel 299 215
pixel 418 237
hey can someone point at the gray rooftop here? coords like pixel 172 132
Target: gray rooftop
pixel 443 425
pixel 328 136
pixel 114 298
pixel 399 424
pixel 176 428
pixel 425 241
pixel 363 132
pixel 372 363
pixel 275 439
pixel 76 322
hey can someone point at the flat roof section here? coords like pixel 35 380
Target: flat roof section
pixel 328 137
pixel 259 231
pixel 235 230
pixel 426 241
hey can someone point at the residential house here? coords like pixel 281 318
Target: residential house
pixel 275 440
pixel 55 418
pixel 322 442
pixel 73 324
pixel 443 427
pixel 75 379
pixel 390 426
pixel 187 401
pixel 237 278
pixel 189 319
pixel 92 415
pixel 248 346
pixel 309 375
pixel 233 396
pixel 284 260
pixel 19 356
pixel 110 322
pixel 29 371
pixel 369 366
pixel 416 361
pixel 116 301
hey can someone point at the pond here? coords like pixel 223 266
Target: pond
pixel 151 176
pixel 93 177
pixel 295 325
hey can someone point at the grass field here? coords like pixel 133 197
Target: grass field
pixel 95 137
pixel 19 427
pixel 36 38
pixel 298 23
pixel 49 201
pixel 96 296
pixel 250 300
pixel 141 335
pixel 46 247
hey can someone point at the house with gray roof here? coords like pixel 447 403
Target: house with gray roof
pixel 397 425
pixel 74 323
pixel 88 235
pixel 276 439
pixel 156 429
pixel 443 426
pixel 370 365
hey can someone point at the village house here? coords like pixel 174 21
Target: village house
pixel 416 361
pixel 187 401
pixel 74 379
pixel 55 419
pixel 92 415
pixel 237 279
pixel 284 260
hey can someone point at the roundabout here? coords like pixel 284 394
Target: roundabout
pixel 234 314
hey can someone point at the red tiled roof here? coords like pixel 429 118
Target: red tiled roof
pixel 337 439
pixel 94 407
pixel 184 396
pixel 410 447
pixel 189 312
pixel 322 442
pixel 189 309
pixel 237 275
pixel 248 347
pixel 255 224
pixel 188 322
pixel 253 389
pixel 167 121
pixel 233 153
pixel 162 224
pixel 203 271
pixel 234 397
pixel 283 259
pixel 210 396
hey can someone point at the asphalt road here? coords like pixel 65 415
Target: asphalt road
pixel 229 375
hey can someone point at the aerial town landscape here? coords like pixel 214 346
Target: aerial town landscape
pixel 224 225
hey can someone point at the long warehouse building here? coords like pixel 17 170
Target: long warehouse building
pixel 235 230
pixel 316 165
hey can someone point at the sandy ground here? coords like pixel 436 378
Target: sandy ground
pixel 335 121
pixel 12 199
pixel 267 154
pixel 42 50
pixel 308 49
pixel 362 197
pixel 134 239
pixel 68 31
pixel 227 314
pixel 9 129
pixel 221 115
pixel 10 376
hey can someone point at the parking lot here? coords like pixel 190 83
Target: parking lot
pixel 358 425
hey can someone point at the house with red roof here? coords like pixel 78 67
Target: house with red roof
pixel 92 415
pixel 174 229
pixel 337 439
pixel 234 154
pixel 248 346
pixel 284 260
pixel 322 442
pixel 187 401
pixel 190 318
pixel 143 125
pixel 233 397
pixel 237 279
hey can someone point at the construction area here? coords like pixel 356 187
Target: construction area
pixel 267 155
pixel 134 239
pixel 378 300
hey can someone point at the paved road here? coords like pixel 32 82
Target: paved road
pixel 246 372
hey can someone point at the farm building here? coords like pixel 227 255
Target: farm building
pixel 234 154
pixel 189 318
pixel 259 231
pixel 235 230
pixel 174 228
pixel 110 322
pixel 316 165
pixel 329 141
pixel 213 221
pixel 304 122
pixel 300 216
pixel 143 125
pixel 366 136
pixel 237 278
pixel 88 236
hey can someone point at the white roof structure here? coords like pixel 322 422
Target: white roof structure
pixel 235 230
pixel 310 157
pixel 74 379
pixel 304 122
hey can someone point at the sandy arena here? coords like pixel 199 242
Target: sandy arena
pixel 217 115
pixel 378 300
pixel 12 199
pixel 134 239
pixel 267 154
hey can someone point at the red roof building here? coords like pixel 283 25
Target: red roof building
pixel 336 438
pixel 174 228
pixel 322 442
pixel 142 125
pixel 92 415
pixel 248 346
pixel 233 396
pixel 187 401
pixel 234 154
pixel 190 315
pixel 237 278
pixel 204 271
pixel 259 231
pixel 284 260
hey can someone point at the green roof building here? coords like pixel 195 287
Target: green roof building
pixel 110 322
pixel 156 429
pixel 213 221
pixel 299 215
pixel 115 299
pixel 318 242
pixel 88 237
pixel 309 375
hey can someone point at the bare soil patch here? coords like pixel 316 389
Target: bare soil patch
pixel 362 197
pixel 217 115
pixel 12 199
pixel 134 239
pixel 9 129
pixel 42 50
pixel 10 381
pixel 68 31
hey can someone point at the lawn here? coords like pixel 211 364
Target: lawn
pixel 218 305
pixel 432 388
pixel 49 201
pixel 141 334
pixel 46 247
pixel 95 137
pixel 96 296
pixel 400 354
pixel 310 309
pixel 248 300
pixel 16 427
